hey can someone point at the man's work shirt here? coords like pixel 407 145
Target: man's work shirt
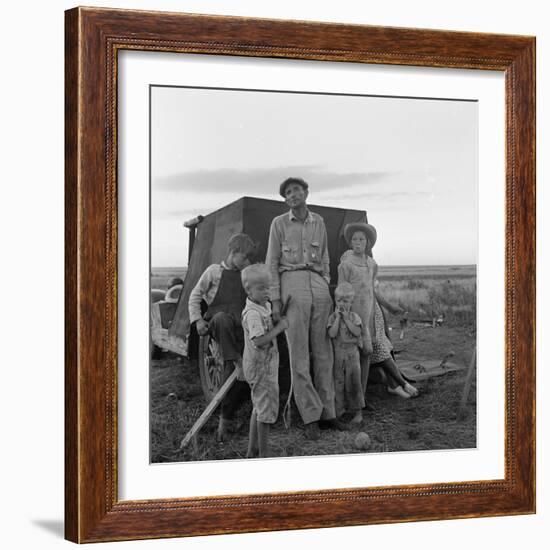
pixel 205 289
pixel 295 245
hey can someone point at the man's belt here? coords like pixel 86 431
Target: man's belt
pixel 299 267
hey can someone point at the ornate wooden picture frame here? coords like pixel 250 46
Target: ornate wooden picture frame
pixel 94 37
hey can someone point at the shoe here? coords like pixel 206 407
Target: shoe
pixel 333 424
pixel 252 453
pixel 312 431
pixel 411 390
pixel 399 391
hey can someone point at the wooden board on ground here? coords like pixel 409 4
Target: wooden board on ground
pixel 467 384
pixel 426 368
pixel 207 413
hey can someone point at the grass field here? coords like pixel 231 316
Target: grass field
pixel 160 276
pixel 428 422
pixel 428 292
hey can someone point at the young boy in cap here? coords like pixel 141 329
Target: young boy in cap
pixel 261 357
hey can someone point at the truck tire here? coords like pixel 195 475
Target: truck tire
pixel 210 367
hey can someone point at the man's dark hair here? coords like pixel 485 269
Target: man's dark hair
pixel 288 181
pixel 241 242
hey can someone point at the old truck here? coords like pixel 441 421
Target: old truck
pixel 208 236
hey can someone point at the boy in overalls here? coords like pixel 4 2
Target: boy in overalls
pixel 221 288
pixel 346 330
pixel 261 357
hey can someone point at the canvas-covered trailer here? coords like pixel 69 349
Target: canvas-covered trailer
pixel 208 238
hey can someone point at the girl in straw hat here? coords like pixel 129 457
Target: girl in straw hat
pixel 358 268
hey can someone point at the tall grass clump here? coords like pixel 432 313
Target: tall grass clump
pixel 456 301
pixel 425 299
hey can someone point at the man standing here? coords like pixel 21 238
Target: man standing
pixel 220 287
pixel 297 256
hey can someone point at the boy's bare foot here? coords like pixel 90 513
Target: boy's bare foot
pixel 411 390
pixel 312 431
pixel 399 391
pixel 357 419
pixel 368 407
pixel 222 433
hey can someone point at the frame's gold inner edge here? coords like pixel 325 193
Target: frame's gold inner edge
pixel 259 500
pixel 142 44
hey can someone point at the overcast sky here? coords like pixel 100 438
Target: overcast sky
pixel 410 163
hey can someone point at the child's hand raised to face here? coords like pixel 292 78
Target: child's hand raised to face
pixel 343 307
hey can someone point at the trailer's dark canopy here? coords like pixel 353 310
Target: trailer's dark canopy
pixel 252 216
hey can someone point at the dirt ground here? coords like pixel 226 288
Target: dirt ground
pixel 428 422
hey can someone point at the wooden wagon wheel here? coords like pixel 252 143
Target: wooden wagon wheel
pixel 210 366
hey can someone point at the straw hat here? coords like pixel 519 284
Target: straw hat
pixel 367 229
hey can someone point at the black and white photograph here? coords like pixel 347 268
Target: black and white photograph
pixel 313 269
pixel 288 264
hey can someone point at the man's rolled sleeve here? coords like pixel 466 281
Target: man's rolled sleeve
pixel 273 256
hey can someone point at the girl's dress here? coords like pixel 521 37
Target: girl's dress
pixel 382 347
pixel 360 273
